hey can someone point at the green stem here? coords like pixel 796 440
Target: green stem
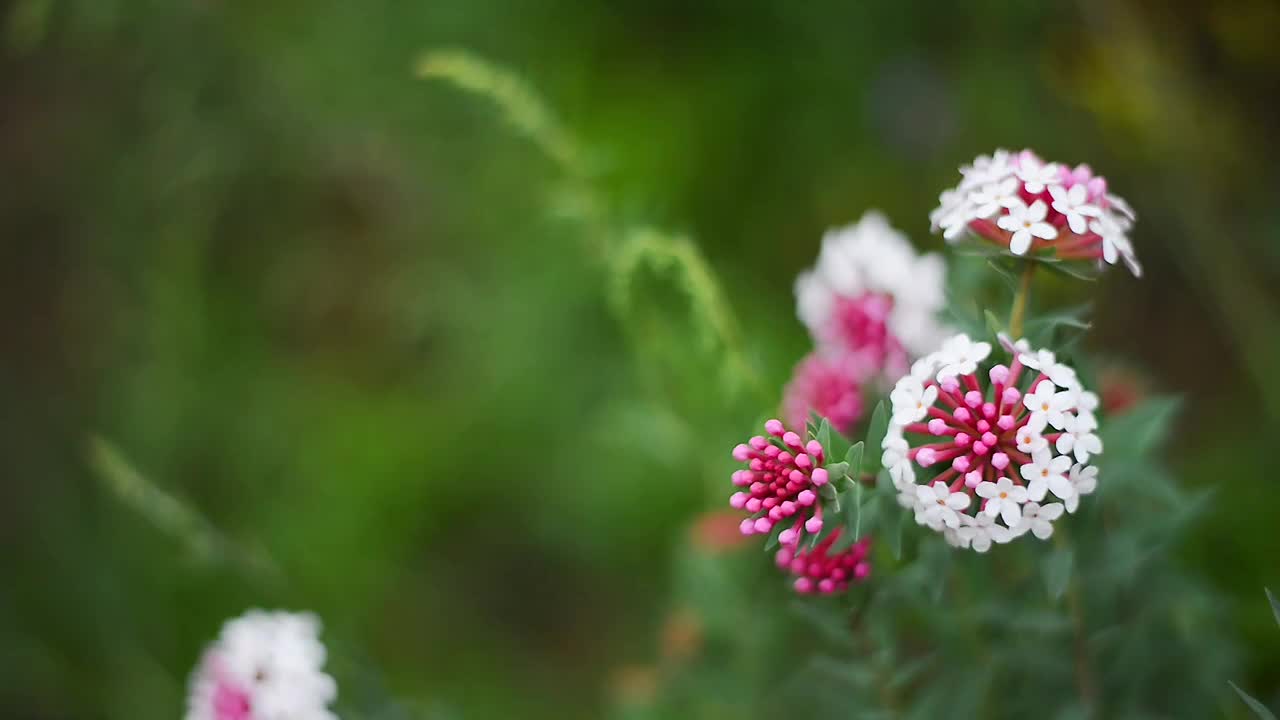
pixel 1020 302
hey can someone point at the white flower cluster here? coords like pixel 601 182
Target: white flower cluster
pixel 264 666
pixel 1004 450
pixel 1032 200
pixel 871 257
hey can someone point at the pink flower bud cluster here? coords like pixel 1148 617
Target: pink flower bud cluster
pixel 781 481
pixel 781 488
pixel 821 571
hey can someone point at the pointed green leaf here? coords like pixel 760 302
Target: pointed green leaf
pixel 1057 571
pixel 854 459
pixel 1275 606
pixel 824 435
pixel 837 474
pixel 773 536
pixel 875 438
pixel 994 326
pixel 1257 707
pixel 891 522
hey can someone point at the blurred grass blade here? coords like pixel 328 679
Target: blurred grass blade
pixel 1257 707
pixel 171 516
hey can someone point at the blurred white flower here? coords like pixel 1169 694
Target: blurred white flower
pixel 866 260
pixel 264 666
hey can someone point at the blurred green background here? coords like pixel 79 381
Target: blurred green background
pixel 324 304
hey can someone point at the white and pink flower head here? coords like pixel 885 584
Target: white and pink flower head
pixel 264 666
pixel 1018 201
pixel 871 299
pixel 992 442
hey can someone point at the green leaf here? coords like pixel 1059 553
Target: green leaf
pixel 824 435
pixel 1057 571
pixel 1257 707
pixel 773 536
pixel 875 437
pixel 891 523
pixel 854 459
pixel 856 511
pixel 837 473
pixel 1142 429
pixel 1275 606
pixel 994 326
pixel 1070 269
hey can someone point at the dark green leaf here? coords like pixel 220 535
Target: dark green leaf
pixel 773 536
pixel 1258 708
pixel 875 438
pixel 891 521
pixel 1275 606
pixel 1057 571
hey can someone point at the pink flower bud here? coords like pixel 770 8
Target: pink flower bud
pixel 999 374
pixel 820 477
pixel 774 428
pixel 937 426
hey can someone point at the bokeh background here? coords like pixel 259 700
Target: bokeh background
pixel 251 262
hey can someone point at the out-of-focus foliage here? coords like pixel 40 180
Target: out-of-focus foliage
pixel 322 304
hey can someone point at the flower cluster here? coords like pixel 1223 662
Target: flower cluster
pixel 871 298
pixel 264 666
pixel 782 485
pixel 781 482
pixel 1004 439
pixel 1027 205
pixel 870 304
pixel 823 570
pixel 828 384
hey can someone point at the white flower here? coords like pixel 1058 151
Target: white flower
pixel 1029 440
pixel 903 476
pixel 1084 478
pixel 270 664
pixel 1038 519
pixel 939 505
pixel 993 197
pixel 1046 362
pixel 988 169
pixel 911 400
pixel 1036 174
pixel 894 447
pixel 978 531
pixel 1025 223
pixel 1075 205
pixel 1078 437
pixel 1115 244
pixel 1046 472
pixel 1047 406
pixel 1004 499
pixel 1084 403
pixel 960 356
pixel 872 257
